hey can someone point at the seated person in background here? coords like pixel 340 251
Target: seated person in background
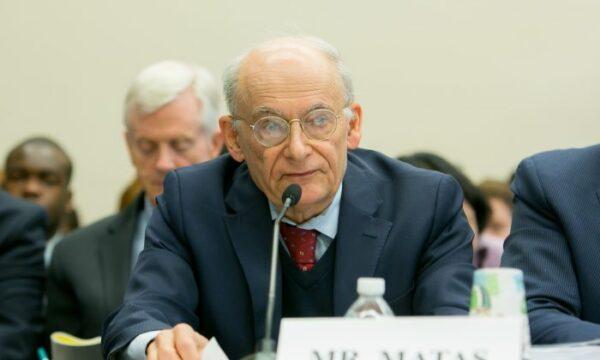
pixel 555 240
pixel 40 171
pixel 170 117
pixel 205 269
pixel 22 237
pixel 497 228
pixel 475 206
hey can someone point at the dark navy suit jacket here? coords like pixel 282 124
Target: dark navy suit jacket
pixel 555 240
pixel 22 238
pixel 208 243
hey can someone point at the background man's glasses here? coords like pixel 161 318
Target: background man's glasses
pixel 272 130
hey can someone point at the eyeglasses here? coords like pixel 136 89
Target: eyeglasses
pixel 272 130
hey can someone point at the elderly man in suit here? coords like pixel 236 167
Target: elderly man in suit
pixel 204 271
pixel 22 237
pixel 170 119
pixel 555 240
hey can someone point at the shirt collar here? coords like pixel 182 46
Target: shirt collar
pixel 146 212
pixel 326 222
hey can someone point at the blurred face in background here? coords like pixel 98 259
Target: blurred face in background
pixel 472 219
pixel 38 173
pixel 498 225
pixel 166 139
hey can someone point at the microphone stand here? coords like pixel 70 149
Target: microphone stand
pixel 266 347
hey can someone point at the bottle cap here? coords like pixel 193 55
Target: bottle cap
pixel 370 286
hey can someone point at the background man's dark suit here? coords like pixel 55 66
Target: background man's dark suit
pixel 89 273
pixel 22 238
pixel 555 240
pixel 207 252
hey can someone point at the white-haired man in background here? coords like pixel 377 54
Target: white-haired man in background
pixel 170 118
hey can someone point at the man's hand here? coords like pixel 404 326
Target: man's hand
pixel 180 342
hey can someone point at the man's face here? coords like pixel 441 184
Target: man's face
pixel 289 83
pixel 169 138
pixel 38 173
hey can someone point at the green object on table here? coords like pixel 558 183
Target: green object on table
pixel 42 355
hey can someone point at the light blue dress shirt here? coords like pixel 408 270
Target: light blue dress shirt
pixel 140 231
pixel 326 224
pixel 50 245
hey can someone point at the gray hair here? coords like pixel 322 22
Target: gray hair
pixel 160 83
pixel 231 74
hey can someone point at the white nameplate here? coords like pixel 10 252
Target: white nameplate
pixel 400 338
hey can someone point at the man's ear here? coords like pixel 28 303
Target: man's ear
pixel 230 136
pixel 354 126
pixel 69 198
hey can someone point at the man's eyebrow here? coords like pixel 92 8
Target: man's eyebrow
pixel 265 110
pixel 318 106
pixel 48 172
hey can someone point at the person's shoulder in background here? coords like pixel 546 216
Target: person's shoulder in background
pixel 14 212
pixel 88 274
pixel 81 241
pixel 557 166
pixel 554 241
pixel 22 238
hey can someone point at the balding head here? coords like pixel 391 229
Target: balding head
pixel 282 50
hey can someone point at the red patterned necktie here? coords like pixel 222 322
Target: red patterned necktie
pixel 301 245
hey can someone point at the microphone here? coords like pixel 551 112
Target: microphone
pixel 266 349
pixel 293 193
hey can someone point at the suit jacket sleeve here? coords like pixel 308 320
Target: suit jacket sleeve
pixel 538 246
pixel 444 280
pixel 21 283
pixel 162 291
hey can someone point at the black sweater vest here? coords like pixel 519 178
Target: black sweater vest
pixel 308 293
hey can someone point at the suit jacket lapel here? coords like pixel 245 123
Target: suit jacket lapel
pixel 361 236
pixel 250 231
pixel 115 254
pixel 359 243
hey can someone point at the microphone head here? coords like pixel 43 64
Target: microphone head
pixel 292 192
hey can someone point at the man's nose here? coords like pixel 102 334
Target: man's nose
pixel 32 188
pixel 166 159
pixel 297 147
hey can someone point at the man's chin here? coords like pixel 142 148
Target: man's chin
pixel 310 199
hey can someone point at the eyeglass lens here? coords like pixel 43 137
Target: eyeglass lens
pixel 317 125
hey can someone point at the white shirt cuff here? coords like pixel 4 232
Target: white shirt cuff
pixel 136 350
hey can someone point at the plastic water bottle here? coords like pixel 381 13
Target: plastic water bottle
pixel 370 302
